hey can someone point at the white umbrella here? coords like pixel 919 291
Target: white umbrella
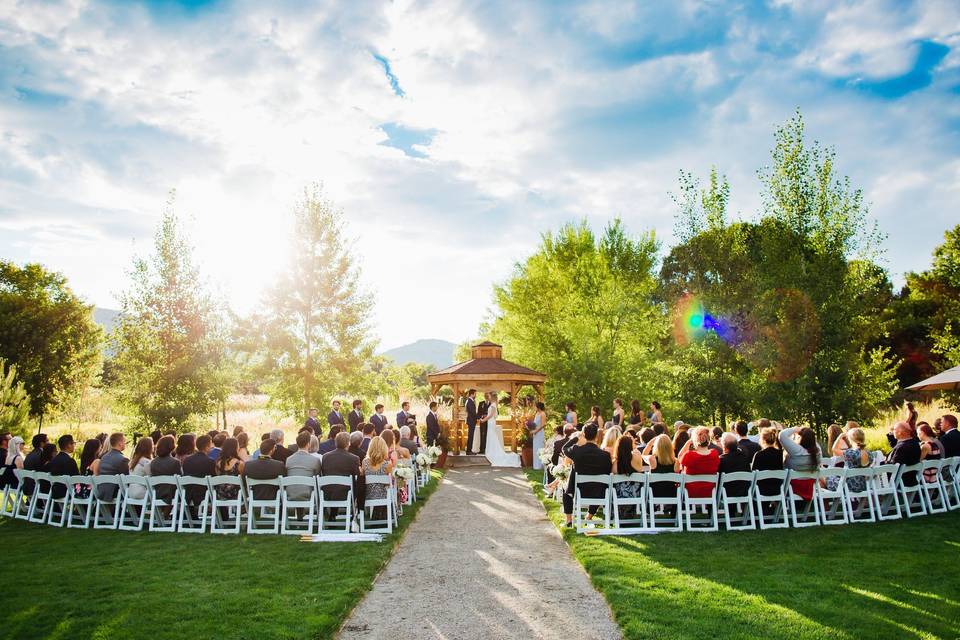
pixel 949 379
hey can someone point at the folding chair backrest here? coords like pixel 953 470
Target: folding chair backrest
pixel 372 479
pixel 83 482
pixel 157 482
pixel 309 482
pixel 633 477
pixel 107 484
pixel 594 479
pixel 737 476
pixel 131 480
pixel 711 479
pixel 269 482
pixel 217 481
pixel 886 476
pixel 833 472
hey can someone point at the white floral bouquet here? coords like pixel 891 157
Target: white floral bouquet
pixel 403 471
pixel 546 456
pixel 561 471
pixel 434 453
pixel 423 460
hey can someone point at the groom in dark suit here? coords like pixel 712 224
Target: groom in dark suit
pixel 471 418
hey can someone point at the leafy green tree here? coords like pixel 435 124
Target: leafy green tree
pixel 581 310
pixel 314 337
pixel 48 333
pixel 170 339
pixel 14 402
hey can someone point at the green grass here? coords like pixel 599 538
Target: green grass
pixel 885 580
pixel 75 583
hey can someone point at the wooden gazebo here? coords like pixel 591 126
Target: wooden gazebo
pixel 485 371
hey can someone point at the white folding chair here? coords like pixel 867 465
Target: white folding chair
pixel 108 495
pixel 772 512
pixel 581 502
pixel 736 493
pixel 859 502
pixel 192 514
pixel 369 504
pixel 933 491
pixel 158 520
pixel 659 508
pixel 135 506
pixel 83 500
pixel 40 501
pixel 886 498
pixel 22 499
pixel 951 482
pixel 226 510
pixel 831 502
pixel 58 509
pixel 911 493
pixel 326 503
pixel 809 515
pixel 308 503
pixel 6 500
pixel 263 514
pixel 638 504
pixel 708 505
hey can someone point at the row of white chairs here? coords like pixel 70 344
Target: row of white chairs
pixel 743 499
pixel 294 505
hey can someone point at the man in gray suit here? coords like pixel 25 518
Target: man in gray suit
pixel 407 443
pixel 113 463
pixel 340 462
pixel 302 463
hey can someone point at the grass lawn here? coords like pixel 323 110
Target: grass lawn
pixel 886 580
pixel 75 583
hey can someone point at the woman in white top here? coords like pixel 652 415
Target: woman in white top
pixel 140 465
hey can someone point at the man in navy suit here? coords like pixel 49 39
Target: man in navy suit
pixel 404 415
pixel 334 417
pixel 471 418
pixel 313 423
pixel 378 420
pixel 356 416
pixel 433 425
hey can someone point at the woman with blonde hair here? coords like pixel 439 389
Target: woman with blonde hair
pixel 659 455
pixel 377 463
pixel 610 437
pixel 855 456
pixel 140 465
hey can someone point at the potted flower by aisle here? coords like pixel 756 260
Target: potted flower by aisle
pixel 526 446
pixel 444 443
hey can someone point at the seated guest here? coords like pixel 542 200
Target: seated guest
pixel 303 464
pixel 378 420
pixel 377 463
pixel 186 446
pixel 659 455
pixel 63 463
pixel 32 461
pixel 229 464
pixel 734 460
pixel 356 445
pixel 930 449
pixel 681 434
pixel 218 439
pixel 749 447
pixel 280 452
pixel 113 463
pixel 88 457
pixel 330 443
pixel 368 431
pixel 165 463
pixel 14 460
pixel 140 465
pixel 906 450
pixel 199 465
pixel 627 460
pixel 716 433
pixel 769 458
pixel 855 456
pixel 265 467
pixel 243 441
pixel 658 429
pixel 256 452
pixel 588 459
pixel 340 462
pixel 950 436
pixel 802 453
pixel 433 425
pixel 155 435
pixel 609 442
pixel 647 435
pixel 698 458
pixel 407 443
pixel 314 447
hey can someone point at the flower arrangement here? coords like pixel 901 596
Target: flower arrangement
pixel 403 471
pixel 561 471
pixel 423 460
pixel 434 453
pixel 546 456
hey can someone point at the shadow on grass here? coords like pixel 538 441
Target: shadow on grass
pixel 76 583
pixel 884 580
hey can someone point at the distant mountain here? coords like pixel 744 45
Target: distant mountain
pixel 439 353
pixel 106 318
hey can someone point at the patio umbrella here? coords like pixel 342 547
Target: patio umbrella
pixel 949 379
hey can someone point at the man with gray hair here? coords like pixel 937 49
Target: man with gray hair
pixel 356 444
pixel 733 460
pixel 906 450
pixel 406 442
pixel 280 452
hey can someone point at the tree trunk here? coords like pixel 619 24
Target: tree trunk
pixel 40 425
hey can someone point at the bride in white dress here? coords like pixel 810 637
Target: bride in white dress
pixel 495 452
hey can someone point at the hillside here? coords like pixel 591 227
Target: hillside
pixel 439 353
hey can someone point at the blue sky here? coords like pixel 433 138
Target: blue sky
pixel 450 133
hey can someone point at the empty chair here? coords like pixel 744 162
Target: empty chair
pixel 58 508
pixel 263 505
pixel 377 485
pixel 23 499
pixel 700 496
pixel 858 494
pixel 164 504
pixel 301 502
pixel 886 497
pixel 135 504
pixel 931 480
pixel 803 512
pixel 194 507
pixel 736 499
pixel 83 500
pixel 329 488
pixel 630 512
pixel 226 503
pixel 40 500
pixel 664 491
pixel 581 501
pixel 951 482
pixel 909 486
pixel 108 496
pixel 831 502
pixel 772 512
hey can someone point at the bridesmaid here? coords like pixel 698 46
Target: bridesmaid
pixel 571 417
pixel 637 417
pixel 539 423
pixel 618 413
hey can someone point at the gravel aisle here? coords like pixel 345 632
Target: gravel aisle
pixel 482 561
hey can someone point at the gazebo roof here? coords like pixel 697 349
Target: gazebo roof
pixel 487 364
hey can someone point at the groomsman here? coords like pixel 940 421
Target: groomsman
pixel 313 423
pixel 356 417
pixel 471 418
pixel 378 420
pixel 433 425
pixel 404 414
pixel 335 417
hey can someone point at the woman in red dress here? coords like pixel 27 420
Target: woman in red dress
pixel 696 459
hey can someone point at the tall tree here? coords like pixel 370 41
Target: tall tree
pixel 14 402
pixel 48 333
pixel 314 334
pixel 170 338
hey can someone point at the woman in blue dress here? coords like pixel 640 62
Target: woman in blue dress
pixel 539 423
pixel 571 417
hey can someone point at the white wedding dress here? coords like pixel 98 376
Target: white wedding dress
pixel 495 452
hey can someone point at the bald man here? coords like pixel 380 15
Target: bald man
pixel 906 449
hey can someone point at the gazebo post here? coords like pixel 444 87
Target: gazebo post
pixel 455 418
pixel 513 415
